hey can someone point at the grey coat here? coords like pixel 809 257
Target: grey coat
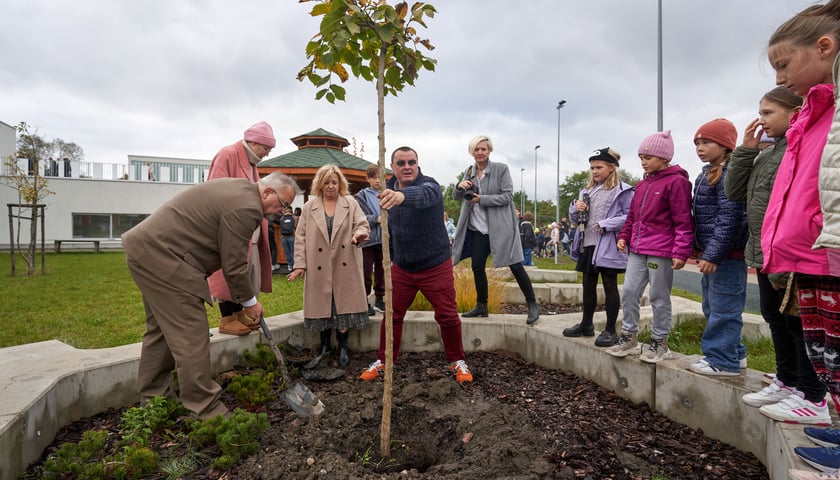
pixel 496 198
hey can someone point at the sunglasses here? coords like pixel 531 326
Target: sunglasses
pixel 401 163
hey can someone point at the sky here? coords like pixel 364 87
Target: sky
pixel 183 79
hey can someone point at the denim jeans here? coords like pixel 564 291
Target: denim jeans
pixel 289 250
pixel 724 297
pixel 527 261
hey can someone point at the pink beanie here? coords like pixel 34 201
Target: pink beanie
pixel 720 131
pixel 660 144
pixel 261 133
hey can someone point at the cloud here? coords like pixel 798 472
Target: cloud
pixel 185 78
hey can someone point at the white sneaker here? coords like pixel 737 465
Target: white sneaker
pixel 795 409
pixel 742 363
pixel 812 475
pixel 773 393
pixel 703 367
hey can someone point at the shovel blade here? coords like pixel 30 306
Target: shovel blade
pixel 303 401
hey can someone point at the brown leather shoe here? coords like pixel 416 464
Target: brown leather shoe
pixel 244 319
pixel 231 326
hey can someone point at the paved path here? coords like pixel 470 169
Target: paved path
pixel 689 279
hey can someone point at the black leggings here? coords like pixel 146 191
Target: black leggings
pixel 611 297
pixel 229 308
pixel 480 252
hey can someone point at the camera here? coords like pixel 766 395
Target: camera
pixel 469 195
pixel 583 217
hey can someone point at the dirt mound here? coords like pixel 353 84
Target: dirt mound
pixel 515 421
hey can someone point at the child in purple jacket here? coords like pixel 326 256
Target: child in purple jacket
pixel 599 219
pixel 658 234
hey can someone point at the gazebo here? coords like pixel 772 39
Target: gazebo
pixel 315 149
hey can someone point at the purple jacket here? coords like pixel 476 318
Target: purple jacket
pixel 606 254
pixel 659 222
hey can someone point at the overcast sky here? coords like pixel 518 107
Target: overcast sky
pixel 184 78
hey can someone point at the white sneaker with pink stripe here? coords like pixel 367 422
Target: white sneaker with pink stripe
pixel 796 409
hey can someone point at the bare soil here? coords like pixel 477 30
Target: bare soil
pixel 515 421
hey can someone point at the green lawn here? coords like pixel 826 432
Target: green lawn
pixel 89 300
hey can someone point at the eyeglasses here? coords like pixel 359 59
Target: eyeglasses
pixel 283 205
pixel 401 163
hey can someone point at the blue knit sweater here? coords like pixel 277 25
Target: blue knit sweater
pixel 418 234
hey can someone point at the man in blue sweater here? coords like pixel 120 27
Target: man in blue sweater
pixel 420 260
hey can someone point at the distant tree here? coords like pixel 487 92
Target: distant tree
pixel 377 42
pixel 31 187
pixel 451 206
pixel 570 189
pixel 628 177
pixel 66 150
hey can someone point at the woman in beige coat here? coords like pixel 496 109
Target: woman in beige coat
pixel 328 240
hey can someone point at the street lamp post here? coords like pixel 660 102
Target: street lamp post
pixel 536 176
pixel 522 191
pixel 560 105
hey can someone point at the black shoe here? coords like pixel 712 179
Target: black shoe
pixel 579 331
pixel 606 339
pixel 380 304
pixel 480 310
pixel 371 311
pixel 533 313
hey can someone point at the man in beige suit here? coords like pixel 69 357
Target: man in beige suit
pixel 171 253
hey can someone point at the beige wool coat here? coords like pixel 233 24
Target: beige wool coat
pixel 333 265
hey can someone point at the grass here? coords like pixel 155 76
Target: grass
pixel 89 301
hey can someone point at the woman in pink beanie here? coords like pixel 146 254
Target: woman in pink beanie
pixel 240 161
pixel 658 235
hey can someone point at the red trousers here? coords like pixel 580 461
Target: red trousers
pixel 438 286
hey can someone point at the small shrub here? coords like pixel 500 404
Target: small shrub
pixel 183 465
pixel 138 423
pixel 254 388
pixel 82 459
pixel 236 436
pixel 133 462
pixel 262 358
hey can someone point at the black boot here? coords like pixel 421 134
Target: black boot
pixel 607 338
pixel 343 353
pixel 533 313
pixel 580 330
pixel 480 310
pixel 326 335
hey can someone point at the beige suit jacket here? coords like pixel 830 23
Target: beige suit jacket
pixel 205 228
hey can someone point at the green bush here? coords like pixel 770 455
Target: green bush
pixel 236 436
pixel 254 389
pixel 138 423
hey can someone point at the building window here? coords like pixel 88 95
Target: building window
pixel 104 225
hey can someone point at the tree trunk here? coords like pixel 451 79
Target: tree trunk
pixel 387 393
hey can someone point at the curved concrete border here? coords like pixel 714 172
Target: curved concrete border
pixel 48 385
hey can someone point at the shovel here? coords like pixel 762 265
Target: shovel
pixel 300 398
